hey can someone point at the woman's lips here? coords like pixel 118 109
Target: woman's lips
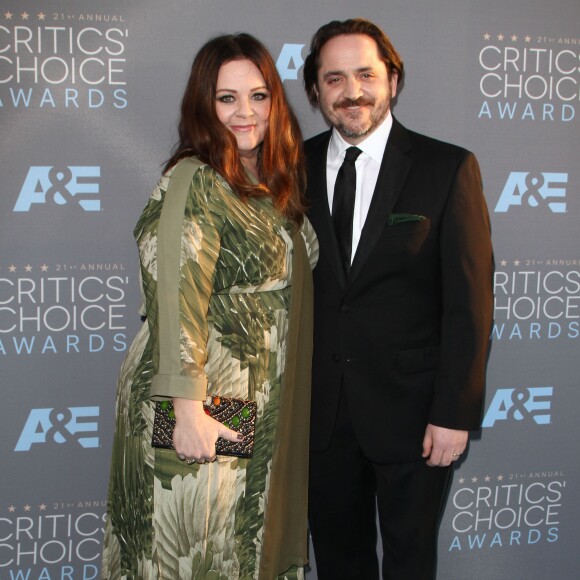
pixel 242 128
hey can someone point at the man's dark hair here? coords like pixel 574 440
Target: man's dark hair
pixel 387 52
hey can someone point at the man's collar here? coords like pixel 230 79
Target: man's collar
pixel 374 145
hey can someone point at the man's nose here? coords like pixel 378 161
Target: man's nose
pixel 353 88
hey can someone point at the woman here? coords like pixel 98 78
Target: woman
pixel 239 305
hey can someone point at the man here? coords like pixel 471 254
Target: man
pixel 403 308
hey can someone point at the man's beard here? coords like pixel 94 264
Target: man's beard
pixel 377 116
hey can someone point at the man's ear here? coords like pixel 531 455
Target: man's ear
pixel 394 80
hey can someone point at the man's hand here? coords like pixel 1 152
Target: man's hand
pixel 442 446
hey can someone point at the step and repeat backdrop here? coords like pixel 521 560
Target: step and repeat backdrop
pixel 89 98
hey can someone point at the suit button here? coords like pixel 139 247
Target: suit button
pixel 336 357
pixel 344 308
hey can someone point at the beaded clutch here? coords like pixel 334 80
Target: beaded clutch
pixel 237 414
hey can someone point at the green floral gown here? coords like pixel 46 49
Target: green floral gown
pixel 167 519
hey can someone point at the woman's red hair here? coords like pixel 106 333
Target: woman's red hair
pixel 281 165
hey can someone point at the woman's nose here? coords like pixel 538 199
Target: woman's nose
pixel 245 108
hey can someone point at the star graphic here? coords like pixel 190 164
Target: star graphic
pixel 44 268
pixel 500 477
pixel 500 36
pixel 41 16
pixel 461 480
pixel 28 268
pixel 8 15
pixel 12 268
pixel 503 262
pixel 11 509
pixel 516 262
pixel 514 37
pixel 528 38
pixel 42 507
pixel 487 36
pixel 25 15
pixel 487 478
pixel 474 479
pixel 27 508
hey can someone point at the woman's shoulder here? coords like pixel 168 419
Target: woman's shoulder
pixel 184 166
pixel 190 184
pixel 198 175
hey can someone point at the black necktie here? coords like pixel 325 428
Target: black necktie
pixel 343 205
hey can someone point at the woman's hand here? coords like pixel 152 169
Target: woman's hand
pixel 196 433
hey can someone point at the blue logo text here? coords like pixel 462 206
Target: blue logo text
pixel 61 186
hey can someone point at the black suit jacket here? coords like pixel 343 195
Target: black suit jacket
pixel 407 332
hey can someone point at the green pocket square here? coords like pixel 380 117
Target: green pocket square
pixel 402 218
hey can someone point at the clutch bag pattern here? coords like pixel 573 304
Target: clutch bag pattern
pixel 237 414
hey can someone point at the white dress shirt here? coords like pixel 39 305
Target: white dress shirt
pixel 367 166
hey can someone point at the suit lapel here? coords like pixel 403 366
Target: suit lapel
pixel 392 174
pixel 319 212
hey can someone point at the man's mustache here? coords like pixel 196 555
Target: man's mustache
pixel 360 102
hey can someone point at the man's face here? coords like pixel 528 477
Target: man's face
pixel 353 86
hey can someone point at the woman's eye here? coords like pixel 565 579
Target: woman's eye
pixel 260 96
pixel 226 99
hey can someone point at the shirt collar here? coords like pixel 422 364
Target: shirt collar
pixel 374 145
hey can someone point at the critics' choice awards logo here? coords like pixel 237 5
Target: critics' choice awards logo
pixel 506 511
pixel 59 186
pixel 534 190
pixel 62 309
pixel 52 540
pixel 72 424
pixel 68 61
pixel 529 78
pixel 520 404
pixel 536 299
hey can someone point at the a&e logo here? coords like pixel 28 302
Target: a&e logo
pixel 520 404
pixel 60 426
pixel 533 190
pixel 290 61
pixel 74 184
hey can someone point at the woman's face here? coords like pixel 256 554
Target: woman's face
pixel 243 105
